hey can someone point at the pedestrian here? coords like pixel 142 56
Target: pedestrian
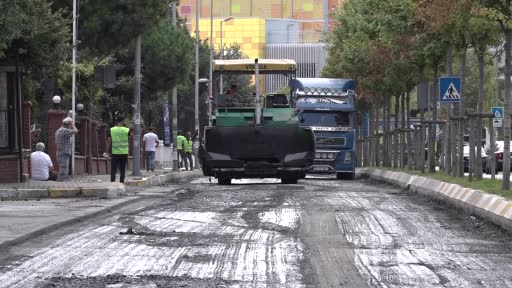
pixel 64 146
pixel 150 142
pixel 195 148
pixel 41 165
pixel 118 139
pixel 189 143
pixel 180 141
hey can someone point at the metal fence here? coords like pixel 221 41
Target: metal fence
pixel 310 58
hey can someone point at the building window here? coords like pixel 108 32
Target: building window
pixel 4 112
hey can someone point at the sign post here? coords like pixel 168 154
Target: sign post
pixel 497 117
pixel 449 89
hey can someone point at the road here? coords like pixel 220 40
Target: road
pixel 318 233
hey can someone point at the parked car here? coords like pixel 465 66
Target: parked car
pixel 466 158
pixel 498 155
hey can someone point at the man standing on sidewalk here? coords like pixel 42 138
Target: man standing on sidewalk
pixel 118 138
pixel 150 143
pixel 182 156
pixel 64 147
pixel 188 150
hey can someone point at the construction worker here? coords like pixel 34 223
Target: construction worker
pixel 180 142
pixel 119 141
pixel 189 143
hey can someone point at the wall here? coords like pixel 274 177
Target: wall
pixel 249 33
pixel 9 169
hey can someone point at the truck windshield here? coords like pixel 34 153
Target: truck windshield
pixel 325 118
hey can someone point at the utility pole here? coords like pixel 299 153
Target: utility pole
pixel 196 83
pixel 174 104
pixel 73 84
pixel 136 116
pixel 210 84
pixel 196 92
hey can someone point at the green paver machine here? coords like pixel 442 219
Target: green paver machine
pixel 259 139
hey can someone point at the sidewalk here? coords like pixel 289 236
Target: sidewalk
pixel 90 185
pixel 24 219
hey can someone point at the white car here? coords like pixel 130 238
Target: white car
pixel 466 158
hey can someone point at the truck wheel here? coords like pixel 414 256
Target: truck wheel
pixel 224 181
pixel 289 180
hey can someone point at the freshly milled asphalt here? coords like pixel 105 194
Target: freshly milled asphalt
pixel 319 233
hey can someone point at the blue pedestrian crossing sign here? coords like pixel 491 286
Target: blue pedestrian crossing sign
pixel 497 112
pixel 449 89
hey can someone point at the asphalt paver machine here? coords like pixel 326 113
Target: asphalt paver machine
pixel 260 138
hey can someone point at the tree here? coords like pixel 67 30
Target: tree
pixel 167 56
pixel 501 12
pixel 105 26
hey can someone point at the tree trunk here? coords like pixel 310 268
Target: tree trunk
pixel 409 134
pixel 402 134
pixel 395 140
pixel 421 145
pixel 460 164
pixel 386 131
pixel 506 124
pixel 389 131
pixel 450 147
pixel 377 138
pixel 481 72
pixel 471 164
pixel 433 130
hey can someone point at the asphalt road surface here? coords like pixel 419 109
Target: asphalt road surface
pixel 318 233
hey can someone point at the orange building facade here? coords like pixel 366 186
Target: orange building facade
pixel 255 23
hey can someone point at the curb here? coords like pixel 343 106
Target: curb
pixel 156 180
pixel 61 192
pixel 494 208
pixel 56 226
pixel 109 191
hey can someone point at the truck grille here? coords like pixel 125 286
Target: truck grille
pixel 338 141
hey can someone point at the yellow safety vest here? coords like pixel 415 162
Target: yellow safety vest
pixel 188 145
pixel 181 142
pixel 119 137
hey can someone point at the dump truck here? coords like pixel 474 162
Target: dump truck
pixel 260 138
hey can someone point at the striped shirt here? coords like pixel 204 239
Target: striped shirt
pixel 63 141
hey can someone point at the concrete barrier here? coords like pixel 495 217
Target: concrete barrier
pixel 494 208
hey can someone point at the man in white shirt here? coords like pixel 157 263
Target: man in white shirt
pixel 150 143
pixel 41 164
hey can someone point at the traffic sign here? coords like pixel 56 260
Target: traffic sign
pixel 497 112
pixel 497 122
pixel 449 89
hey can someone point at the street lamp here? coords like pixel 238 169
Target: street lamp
pixel 56 101
pixel 196 86
pixel 222 49
pixel 80 107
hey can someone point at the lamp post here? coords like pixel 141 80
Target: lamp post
pixel 222 49
pixel 210 87
pixel 56 101
pixel 73 84
pixel 196 92
pixel 80 107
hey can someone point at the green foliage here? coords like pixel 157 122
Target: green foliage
pixel 167 55
pixel 38 34
pixel 86 87
pixel 371 44
pixel 108 25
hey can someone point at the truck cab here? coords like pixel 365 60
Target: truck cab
pixel 328 107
